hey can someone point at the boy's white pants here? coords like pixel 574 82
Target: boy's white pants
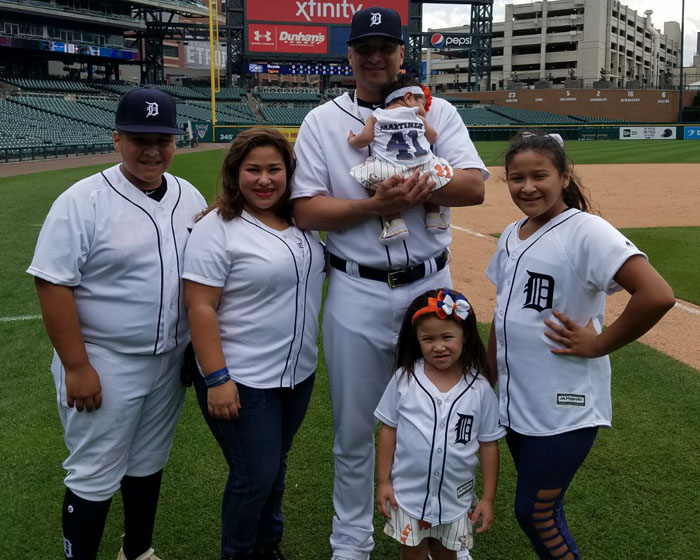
pixel 132 432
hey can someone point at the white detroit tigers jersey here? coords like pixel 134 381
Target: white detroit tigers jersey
pixel 121 252
pixel 271 296
pixel 437 438
pixel 567 265
pixel 324 158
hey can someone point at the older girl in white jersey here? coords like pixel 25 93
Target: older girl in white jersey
pixel 437 412
pixel 552 270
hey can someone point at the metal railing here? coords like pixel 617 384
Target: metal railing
pixel 52 151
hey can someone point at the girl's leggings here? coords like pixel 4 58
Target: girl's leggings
pixel 546 465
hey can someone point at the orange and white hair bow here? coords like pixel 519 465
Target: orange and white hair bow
pixel 446 304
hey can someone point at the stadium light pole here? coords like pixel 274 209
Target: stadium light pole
pixel 680 81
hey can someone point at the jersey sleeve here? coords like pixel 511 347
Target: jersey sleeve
pixel 598 254
pixel 387 411
pixel 454 143
pixel 494 268
pixel 311 176
pixel 207 257
pixel 198 200
pixel 489 427
pixel 65 239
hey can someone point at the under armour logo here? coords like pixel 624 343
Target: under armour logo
pixel 267 36
pixel 463 428
pixel 151 109
pixel 539 292
pixel 376 19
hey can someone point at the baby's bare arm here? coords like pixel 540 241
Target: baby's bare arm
pixel 430 133
pixel 365 136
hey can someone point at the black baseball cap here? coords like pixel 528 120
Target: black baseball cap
pixel 376 21
pixel 147 110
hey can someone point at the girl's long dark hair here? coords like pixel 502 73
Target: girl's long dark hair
pixel 575 194
pixel 473 352
pixel 229 202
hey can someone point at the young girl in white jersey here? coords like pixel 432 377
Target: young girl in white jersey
pixel 437 412
pixel 400 138
pixel 552 270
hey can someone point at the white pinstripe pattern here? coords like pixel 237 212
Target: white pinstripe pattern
pixel 453 536
pixel 373 171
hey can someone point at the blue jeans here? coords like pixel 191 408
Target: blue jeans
pixel 546 465
pixel 255 446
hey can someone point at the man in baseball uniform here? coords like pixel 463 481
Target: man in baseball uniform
pixel 371 285
pixel 107 271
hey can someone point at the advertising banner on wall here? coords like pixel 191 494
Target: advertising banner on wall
pixel 306 26
pixel 648 133
pixel 313 11
pixel 269 37
pixel 197 55
pixel 691 133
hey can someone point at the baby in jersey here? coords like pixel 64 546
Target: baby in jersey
pixel 400 139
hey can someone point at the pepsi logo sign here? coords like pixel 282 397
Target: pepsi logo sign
pixel 438 40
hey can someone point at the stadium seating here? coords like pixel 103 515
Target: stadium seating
pixel 482 116
pixel 527 116
pixel 31 84
pixel 117 88
pixel 181 92
pixel 593 120
pixel 288 96
pixel 28 126
pixel 456 101
pixel 285 115
pixel 59 113
pixel 224 94
pixel 335 92
pixel 239 113
pixel 70 109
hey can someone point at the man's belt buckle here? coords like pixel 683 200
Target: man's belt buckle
pixel 397 278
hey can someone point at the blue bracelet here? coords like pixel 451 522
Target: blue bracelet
pixel 216 378
pixel 219 381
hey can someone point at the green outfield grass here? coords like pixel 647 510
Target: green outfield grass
pixel 675 253
pixel 610 151
pixel 635 497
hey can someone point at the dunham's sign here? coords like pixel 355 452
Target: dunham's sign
pixel 268 37
pixel 317 27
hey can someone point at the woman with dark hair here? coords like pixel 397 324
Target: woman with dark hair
pixel 253 293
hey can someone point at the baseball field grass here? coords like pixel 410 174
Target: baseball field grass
pixel 670 249
pixel 610 151
pixel 636 496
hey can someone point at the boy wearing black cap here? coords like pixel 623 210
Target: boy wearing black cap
pixel 360 352
pixel 107 271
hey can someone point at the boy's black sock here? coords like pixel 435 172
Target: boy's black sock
pixel 140 495
pixel 83 525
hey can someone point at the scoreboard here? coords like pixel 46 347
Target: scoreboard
pixel 313 69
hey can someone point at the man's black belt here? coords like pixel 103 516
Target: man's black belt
pixel 395 278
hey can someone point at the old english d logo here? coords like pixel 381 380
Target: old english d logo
pixel 539 291
pixel 463 428
pixel 151 109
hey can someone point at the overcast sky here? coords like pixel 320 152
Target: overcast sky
pixel 445 15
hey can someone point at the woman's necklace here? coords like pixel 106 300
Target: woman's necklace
pixel 357 108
